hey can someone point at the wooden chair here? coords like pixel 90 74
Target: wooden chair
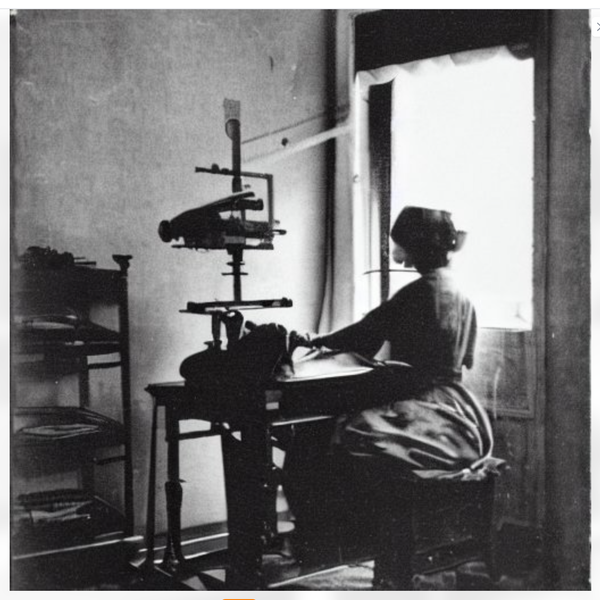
pixel 429 526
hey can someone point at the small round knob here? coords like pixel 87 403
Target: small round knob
pixel 164 231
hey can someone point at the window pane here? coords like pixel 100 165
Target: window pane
pixel 462 140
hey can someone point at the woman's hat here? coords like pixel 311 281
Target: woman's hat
pixel 418 229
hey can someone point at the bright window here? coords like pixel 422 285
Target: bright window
pixel 462 140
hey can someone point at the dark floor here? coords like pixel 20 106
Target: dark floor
pixel 286 576
pixel 468 577
pixel 517 568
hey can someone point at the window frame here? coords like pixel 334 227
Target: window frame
pixel 370 200
pixel 388 37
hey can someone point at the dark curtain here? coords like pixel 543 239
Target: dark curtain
pixel 388 37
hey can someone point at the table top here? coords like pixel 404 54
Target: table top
pixel 174 395
pixel 306 395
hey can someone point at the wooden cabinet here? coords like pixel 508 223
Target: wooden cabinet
pixel 55 335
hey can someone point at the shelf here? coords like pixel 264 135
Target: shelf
pixel 52 311
pixel 43 521
pixel 89 566
pixel 72 434
pixel 55 365
pixel 57 286
pixel 54 334
pixel 51 335
pixel 66 350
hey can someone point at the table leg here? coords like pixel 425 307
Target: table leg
pixel 151 501
pixel 173 557
pixel 247 465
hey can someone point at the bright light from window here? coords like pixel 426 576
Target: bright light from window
pixel 462 139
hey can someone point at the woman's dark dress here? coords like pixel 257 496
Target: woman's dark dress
pixel 438 430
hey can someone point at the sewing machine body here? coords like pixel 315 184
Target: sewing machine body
pixel 204 227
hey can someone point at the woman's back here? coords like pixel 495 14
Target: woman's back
pixel 431 325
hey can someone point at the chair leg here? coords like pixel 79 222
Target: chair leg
pixel 489 532
pixel 483 525
pixel 393 562
pixel 399 506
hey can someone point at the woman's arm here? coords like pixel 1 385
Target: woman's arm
pixel 365 336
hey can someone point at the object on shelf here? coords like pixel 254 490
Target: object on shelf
pixel 35 332
pixel 59 432
pixel 36 258
pixel 55 518
pixel 64 426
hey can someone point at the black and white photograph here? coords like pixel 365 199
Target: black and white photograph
pixel 300 299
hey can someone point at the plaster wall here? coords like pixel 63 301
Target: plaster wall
pixel 111 112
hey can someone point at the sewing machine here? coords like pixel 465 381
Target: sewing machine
pixel 205 227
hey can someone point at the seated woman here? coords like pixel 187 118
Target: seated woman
pixel 437 429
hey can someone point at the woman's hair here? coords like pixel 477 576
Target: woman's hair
pixel 427 235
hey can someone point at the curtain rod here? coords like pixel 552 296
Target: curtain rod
pixel 291 149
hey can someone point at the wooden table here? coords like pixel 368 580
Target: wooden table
pixel 251 478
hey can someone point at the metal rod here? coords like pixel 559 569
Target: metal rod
pixel 233 131
pixel 270 196
pixel 216 170
pixel 309 142
pixel 236 267
pixel 210 307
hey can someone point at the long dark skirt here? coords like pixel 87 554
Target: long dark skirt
pixel 338 501
pixel 348 480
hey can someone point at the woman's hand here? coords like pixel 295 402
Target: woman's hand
pixel 298 340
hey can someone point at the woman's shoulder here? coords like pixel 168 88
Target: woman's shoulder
pixel 430 283
pixel 410 290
